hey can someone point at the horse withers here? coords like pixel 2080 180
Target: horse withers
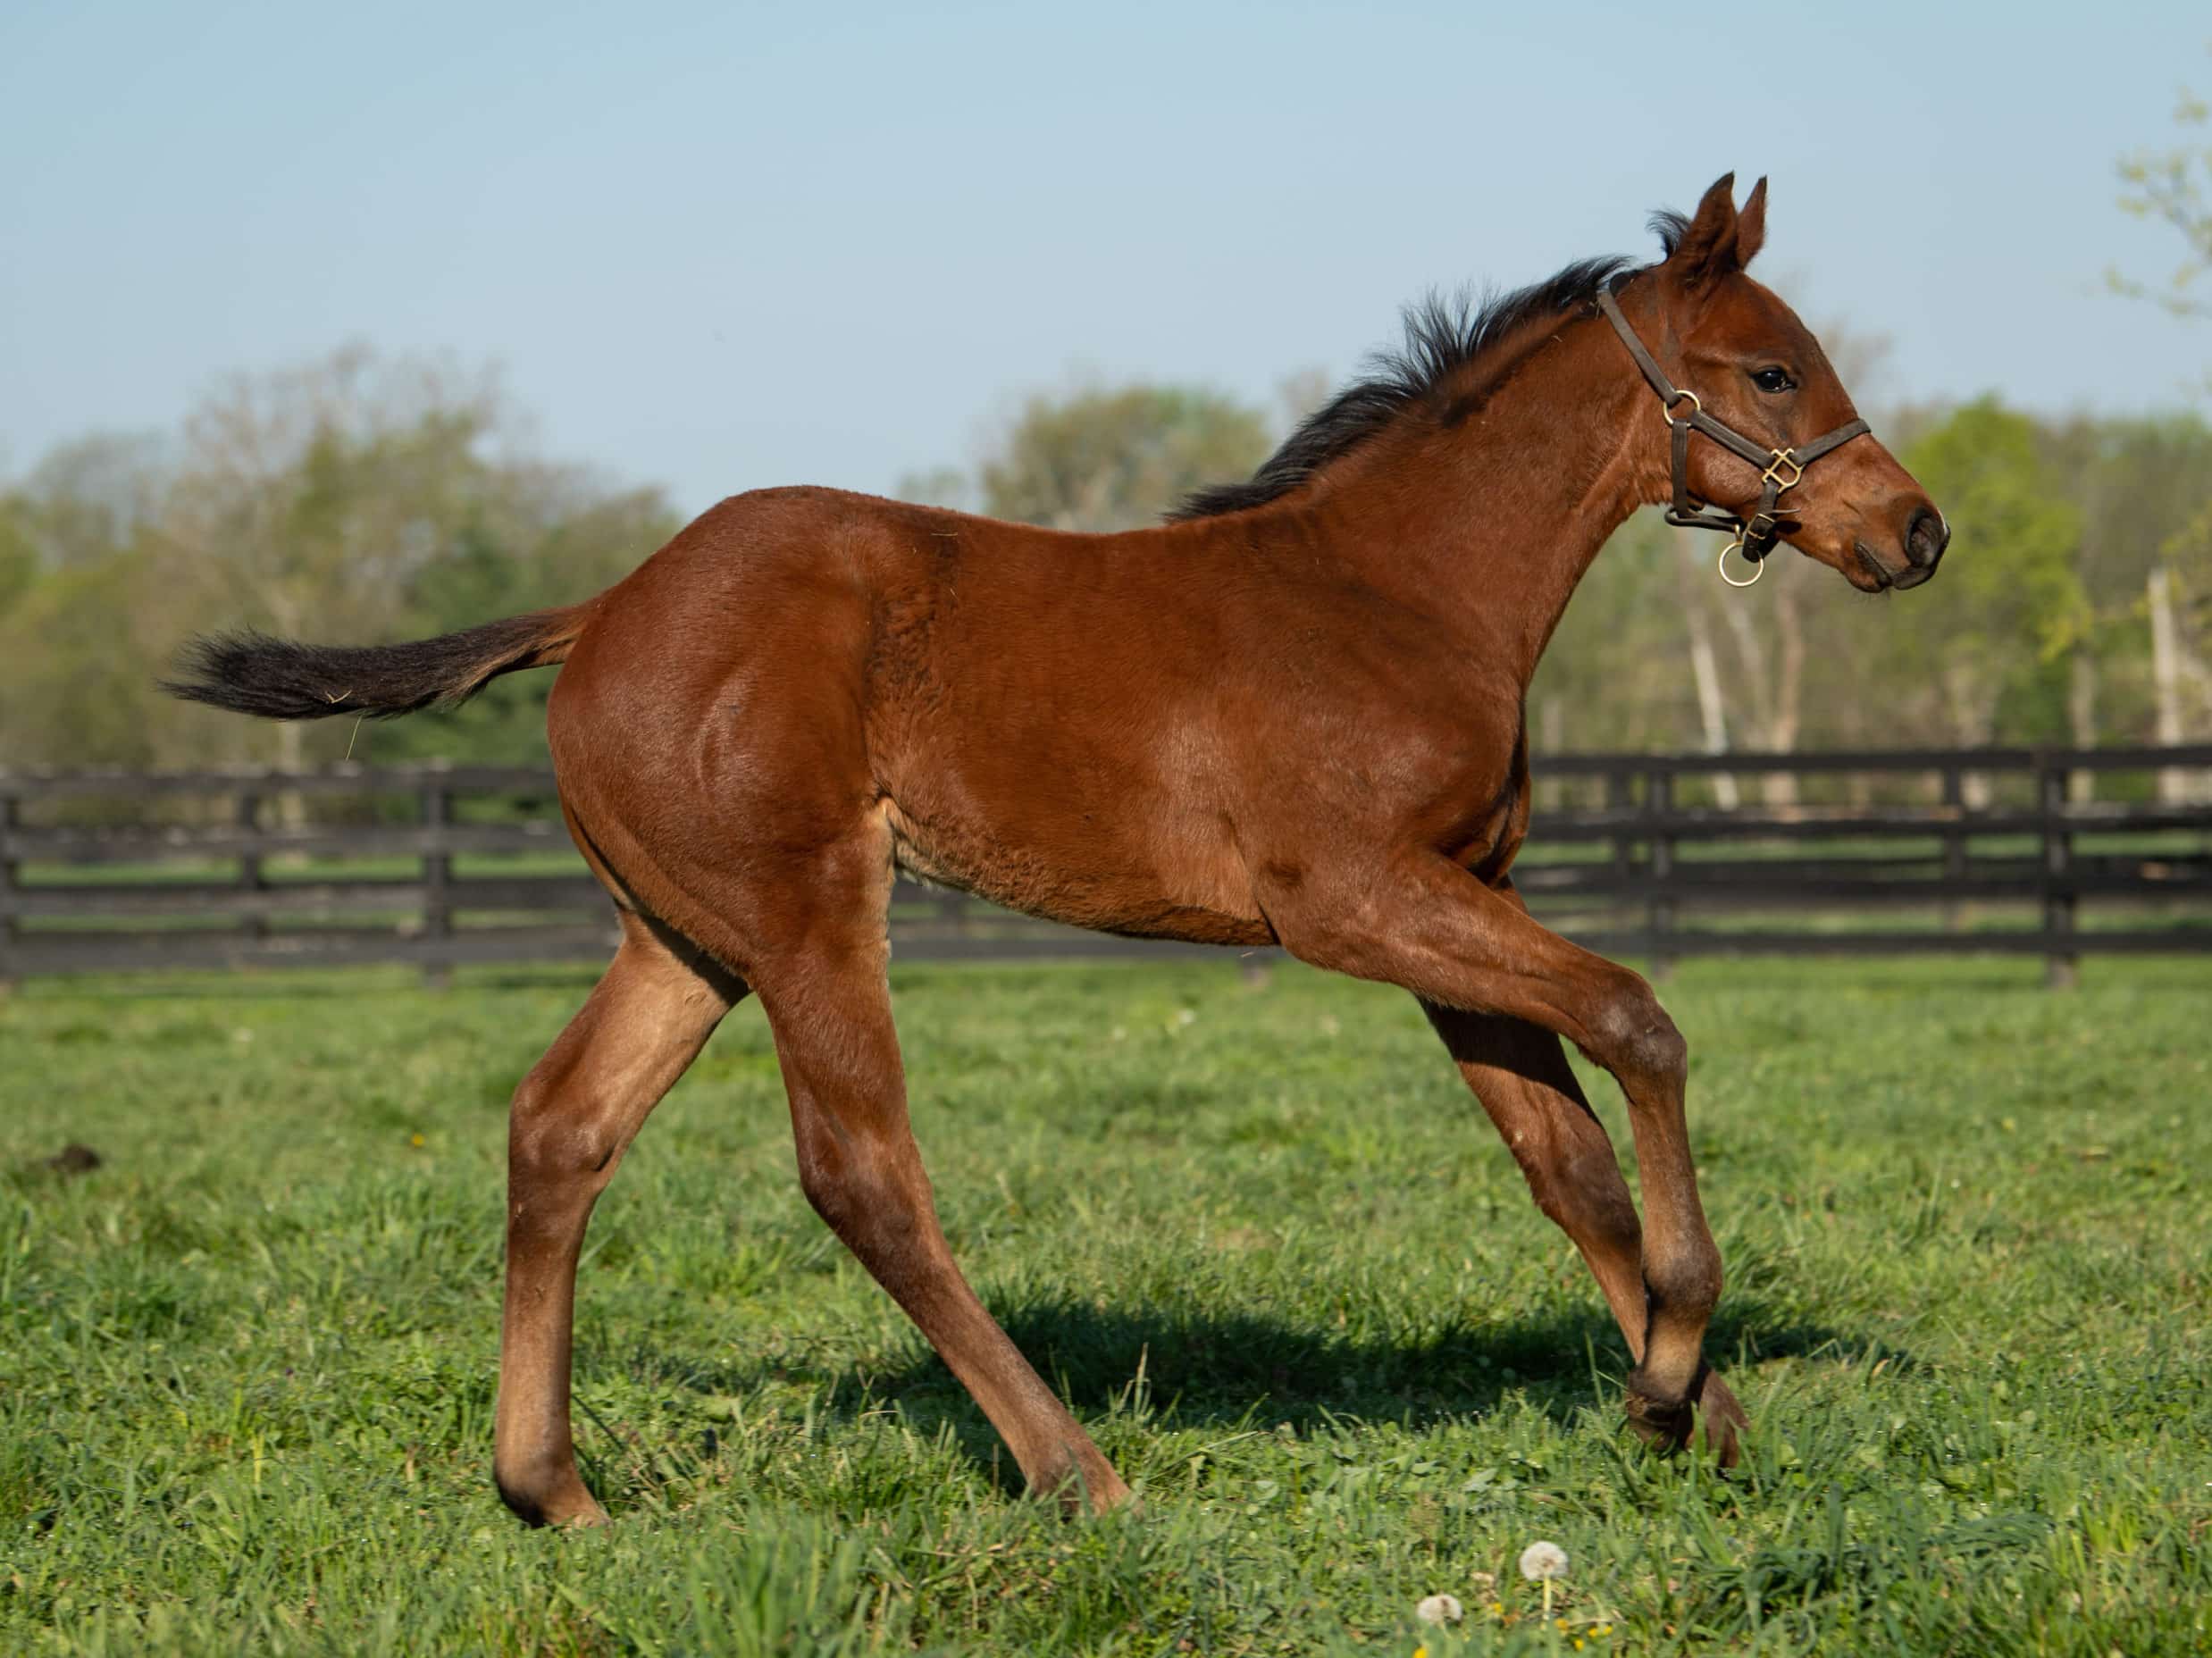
pixel 1292 715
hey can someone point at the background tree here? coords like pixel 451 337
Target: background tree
pixel 1112 458
pixel 349 500
pixel 1990 655
pixel 2174 186
pixel 1613 676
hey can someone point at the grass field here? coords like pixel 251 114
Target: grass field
pixel 1258 1236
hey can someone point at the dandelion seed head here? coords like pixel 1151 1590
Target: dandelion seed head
pixel 1440 1609
pixel 1540 1561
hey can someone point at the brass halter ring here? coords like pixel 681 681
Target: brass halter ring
pixel 1758 566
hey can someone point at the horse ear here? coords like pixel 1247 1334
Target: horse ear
pixel 1751 225
pixel 1707 247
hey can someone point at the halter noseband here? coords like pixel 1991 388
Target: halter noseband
pixel 1779 469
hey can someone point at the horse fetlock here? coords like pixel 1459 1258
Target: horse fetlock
pixel 1683 1287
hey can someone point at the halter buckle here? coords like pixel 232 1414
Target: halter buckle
pixel 1774 472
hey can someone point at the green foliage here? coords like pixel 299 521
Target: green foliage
pixel 2017 537
pixel 1262 1241
pixel 1112 459
pixel 2011 602
pixel 1613 675
pixel 348 501
pixel 2174 186
pixel 19 554
pixel 70 666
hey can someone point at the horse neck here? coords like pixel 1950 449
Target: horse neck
pixel 1492 521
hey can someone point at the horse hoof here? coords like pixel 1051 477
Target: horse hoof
pixel 1096 1491
pixel 1724 1420
pixel 1662 1424
pixel 566 1506
pixel 1667 1425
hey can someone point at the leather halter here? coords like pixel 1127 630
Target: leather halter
pixel 1779 469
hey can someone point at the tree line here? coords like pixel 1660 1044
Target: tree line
pixel 357 499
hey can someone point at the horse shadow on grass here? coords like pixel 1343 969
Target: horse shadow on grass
pixel 1205 1368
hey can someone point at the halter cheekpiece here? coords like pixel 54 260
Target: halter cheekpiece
pixel 1779 469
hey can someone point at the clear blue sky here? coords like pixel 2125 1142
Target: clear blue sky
pixel 727 245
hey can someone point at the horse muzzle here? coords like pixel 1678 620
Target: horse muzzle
pixel 1926 536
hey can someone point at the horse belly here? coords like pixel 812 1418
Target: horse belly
pixel 1176 889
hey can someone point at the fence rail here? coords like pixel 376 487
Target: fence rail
pixel 2049 852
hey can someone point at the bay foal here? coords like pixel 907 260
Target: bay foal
pixel 1291 716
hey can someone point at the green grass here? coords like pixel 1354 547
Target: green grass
pixel 1260 1239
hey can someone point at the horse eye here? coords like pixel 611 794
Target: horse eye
pixel 1772 380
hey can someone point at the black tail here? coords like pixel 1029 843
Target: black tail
pixel 280 679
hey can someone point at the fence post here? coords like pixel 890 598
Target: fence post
pixel 2062 968
pixel 250 879
pixel 437 875
pixel 1659 802
pixel 1954 843
pixel 1619 798
pixel 7 894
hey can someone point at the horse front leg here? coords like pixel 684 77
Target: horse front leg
pixel 1491 971
pixel 1521 1075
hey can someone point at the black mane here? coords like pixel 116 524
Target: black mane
pixel 1442 336
pixel 1670 227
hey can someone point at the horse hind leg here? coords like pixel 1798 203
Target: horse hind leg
pixel 829 1006
pixel 573 1118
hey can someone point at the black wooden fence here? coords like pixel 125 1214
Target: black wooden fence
pixel 2054 853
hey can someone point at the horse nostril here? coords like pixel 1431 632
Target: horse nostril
pixel 1925 538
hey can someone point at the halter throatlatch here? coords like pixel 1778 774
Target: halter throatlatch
pixel 1779 469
